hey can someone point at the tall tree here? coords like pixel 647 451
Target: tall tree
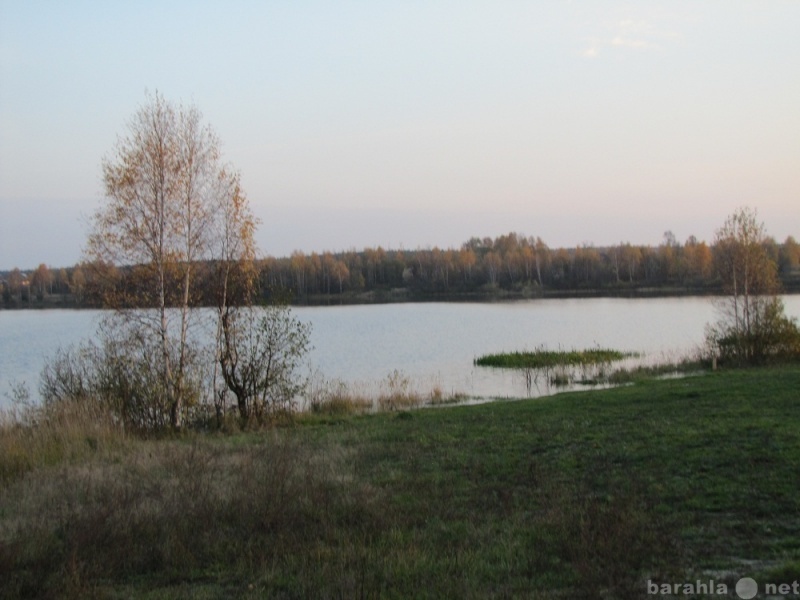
pixel 698 259
pixel 630 257
pixel 78 283
pixel 466 261
pixel 789 255
pixel 160 183
pixel 42 280
pixel 542 259
pixel 492 263
pixel 62 281
pixel 15 282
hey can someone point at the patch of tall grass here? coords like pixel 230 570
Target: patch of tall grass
pixel 541 358
pixel 438 397
pixel 396 392
pixel 33 435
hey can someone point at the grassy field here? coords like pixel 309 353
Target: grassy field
pixel 584 495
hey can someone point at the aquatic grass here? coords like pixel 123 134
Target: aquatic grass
pixel 396 392
pixel 334 397
pixel 437 397
pixel 543 359
pixel 560 376
pixel 559 368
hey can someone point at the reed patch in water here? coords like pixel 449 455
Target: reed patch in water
pixel 542 358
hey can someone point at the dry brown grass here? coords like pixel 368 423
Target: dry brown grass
pixel 335 397
pixel 437 397
pixel 32 436
pixel 395 393
pixel 169 507
pixel 607 539
pixel 345 405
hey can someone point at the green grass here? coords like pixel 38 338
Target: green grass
pixel 582 495
pixel 542 359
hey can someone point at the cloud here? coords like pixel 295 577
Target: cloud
pixel 629 34
pixel 630 43
pixel 631 25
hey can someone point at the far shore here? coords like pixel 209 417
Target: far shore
pixel 405 295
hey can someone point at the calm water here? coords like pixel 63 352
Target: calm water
pixel 433 344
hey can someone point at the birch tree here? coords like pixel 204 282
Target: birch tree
pixel 752 326
pixel 159 184
pixel 236 285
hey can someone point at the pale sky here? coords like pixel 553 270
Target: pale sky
pixel 410 123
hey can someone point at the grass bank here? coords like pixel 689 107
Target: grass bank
pixel 584 495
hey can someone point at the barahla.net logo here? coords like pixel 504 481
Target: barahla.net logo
pixel 746 588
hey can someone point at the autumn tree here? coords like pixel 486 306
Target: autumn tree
pixel 328 267
pixel 669 252
pixel 466 262
pixel 235 284
pixel 492 263
pixel 42 281
pixel 527 256
pixel 258 349
pixel 299 270
pixel 752 326
pixel 542 258
pixel 77 283
pixel 587 261
pixel 159 184
pixel 789 256
pixel 615 262
pixel 61 281
pixel 341 273
pixel 15 283
pixel 697 259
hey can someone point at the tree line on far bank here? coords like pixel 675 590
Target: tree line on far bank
pixel 512 263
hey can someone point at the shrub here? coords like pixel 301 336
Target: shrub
pixel 771 336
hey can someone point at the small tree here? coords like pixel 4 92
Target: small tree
pixel 261 355
pixel 752 326
pixel 235 282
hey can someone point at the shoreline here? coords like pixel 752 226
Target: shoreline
pixel 406 295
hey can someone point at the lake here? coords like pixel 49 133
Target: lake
pixel 433 344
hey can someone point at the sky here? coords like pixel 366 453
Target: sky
pixel 417 123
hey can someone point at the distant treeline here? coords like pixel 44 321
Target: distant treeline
pixel 508 265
